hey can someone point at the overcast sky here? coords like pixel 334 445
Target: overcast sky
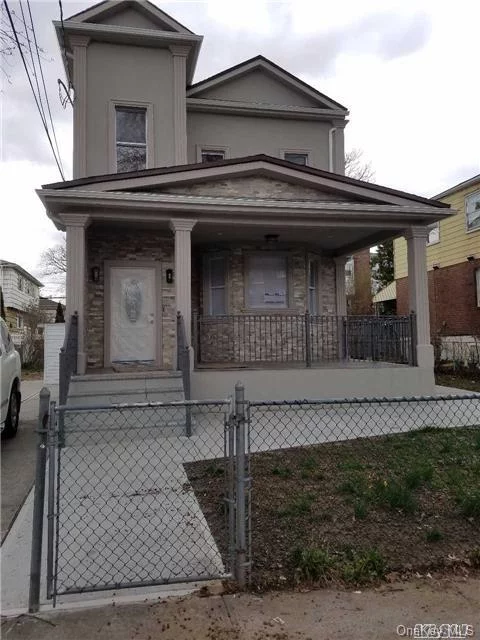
pixel 407 71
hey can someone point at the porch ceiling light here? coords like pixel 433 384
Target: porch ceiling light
pixel 271 238
pixel 95 274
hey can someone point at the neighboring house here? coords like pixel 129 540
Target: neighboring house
pixel 48 309
pixel 453 263
pixel 20 293
pixel 223 200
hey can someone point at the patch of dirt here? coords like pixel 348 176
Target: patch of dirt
pixel 331 497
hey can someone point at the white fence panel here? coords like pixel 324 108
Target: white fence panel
pixel 54 336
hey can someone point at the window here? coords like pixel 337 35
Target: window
pixel 477 282
pixel 313 287
pixel 20 283
pixel 267 282
pixel 472 211
pixel 215 285
pixel 19 322
pixel 296 158
pixel 131 138
pixel 211 155
pixel 433 233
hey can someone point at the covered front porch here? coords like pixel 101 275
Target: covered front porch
pixel 242 266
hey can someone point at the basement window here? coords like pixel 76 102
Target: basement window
pixel 212 155
pixel 297 158
pixel 131 138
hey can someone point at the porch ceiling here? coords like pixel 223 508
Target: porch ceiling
pixel 335 240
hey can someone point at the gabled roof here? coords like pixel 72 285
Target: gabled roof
pixel 268 162
pixel 264 64
pixel 107 8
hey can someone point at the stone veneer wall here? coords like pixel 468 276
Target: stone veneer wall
pixel 110 243
pixel 258 337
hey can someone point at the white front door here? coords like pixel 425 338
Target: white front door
pixel 133 321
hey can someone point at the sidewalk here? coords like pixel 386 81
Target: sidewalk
pixel 378 614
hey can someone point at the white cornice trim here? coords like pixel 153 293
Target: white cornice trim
pixel 265 110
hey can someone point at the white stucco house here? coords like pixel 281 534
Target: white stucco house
pixel 21 293
pixel 224 200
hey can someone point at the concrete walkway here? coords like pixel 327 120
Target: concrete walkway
pixel 376 614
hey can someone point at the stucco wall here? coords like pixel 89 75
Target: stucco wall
pixel 108 243
pixel 248 135
pixel 131 75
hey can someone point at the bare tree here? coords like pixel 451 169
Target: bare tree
pixel 53 261
pixel 356 167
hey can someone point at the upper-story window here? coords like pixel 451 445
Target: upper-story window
pixel 131 138
pixel 20 283
pixel 211 155
pixel 472 211
pixel 433 233
pixel 296 158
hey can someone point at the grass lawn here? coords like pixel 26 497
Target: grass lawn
pixel 352 512
pixel 471 383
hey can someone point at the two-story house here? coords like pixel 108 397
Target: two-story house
pixel 20 293
pixel 453 263
pixel 224 201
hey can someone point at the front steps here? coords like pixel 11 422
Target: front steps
pixel 100 391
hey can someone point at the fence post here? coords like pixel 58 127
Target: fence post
pixel 308 341
pixel 38 503
pixel 51 444
pixel 241 537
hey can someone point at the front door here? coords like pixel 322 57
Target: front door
pixel 133 314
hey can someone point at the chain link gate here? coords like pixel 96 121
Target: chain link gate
pixel 124 506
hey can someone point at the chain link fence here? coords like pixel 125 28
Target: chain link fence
pixel 349 490
pixel 126 512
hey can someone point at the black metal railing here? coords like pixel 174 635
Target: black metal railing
pixel 303 338
pixel 184 366
pixel 68 358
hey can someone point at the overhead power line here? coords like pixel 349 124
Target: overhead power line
pixel 36 98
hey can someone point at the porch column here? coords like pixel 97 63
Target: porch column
pixel 76 278
pixel 340 288
pixel 341 304
pixel 418 292
pixel 183 271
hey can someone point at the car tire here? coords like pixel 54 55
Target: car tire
pixel 13 415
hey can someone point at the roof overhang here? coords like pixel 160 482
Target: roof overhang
pixel 235 107
pixel 126 35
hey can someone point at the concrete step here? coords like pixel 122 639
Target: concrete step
pixel 116 383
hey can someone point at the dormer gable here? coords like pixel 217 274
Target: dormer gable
pixel 137 14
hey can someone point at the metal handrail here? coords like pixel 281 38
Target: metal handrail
pixel 68 358
pixel 184 366
pixel 303 338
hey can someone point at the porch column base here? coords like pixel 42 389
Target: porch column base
pixel 425 357
pixel 81 362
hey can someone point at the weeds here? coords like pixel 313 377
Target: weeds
pixel 300 506
pixel 355 567
pixel 469 504
pixel 434 535
pixel 313 564
pixel 282 472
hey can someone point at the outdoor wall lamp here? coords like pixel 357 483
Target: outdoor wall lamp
pixel 95 274
pixel 470 258
pixel 169 276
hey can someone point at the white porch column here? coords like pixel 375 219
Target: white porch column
pixel 340 287
pixel 418 292
pixel 183 271
pixel 76 278
pixel 179 54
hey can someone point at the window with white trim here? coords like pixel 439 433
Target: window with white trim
pixel 296 158
pixel 313 287
pixel 130 138
pixel 19 322
pixel 433 233
pixel 472 211
pixel 212 155
pixel 215 285
pixel 20 283
pixel 267 282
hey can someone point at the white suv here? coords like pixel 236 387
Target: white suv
pixel 10 373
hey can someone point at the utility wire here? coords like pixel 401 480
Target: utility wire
pixel 70 83
pixel 32 88
pixel 43 83
pixel 34 70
